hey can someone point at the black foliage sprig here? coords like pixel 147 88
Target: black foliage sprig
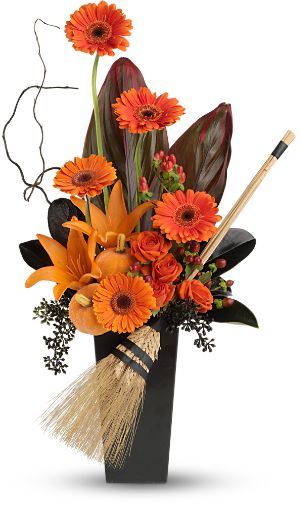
pixel 184 314
pixel 56 313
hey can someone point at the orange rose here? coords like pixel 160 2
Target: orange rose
pixel 149 246
pixel 163 292
pixel 166 269
pixel 197 292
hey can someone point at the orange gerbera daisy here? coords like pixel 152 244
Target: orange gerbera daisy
pixel 85 176
pixel 122 303
pixel 98 28
pixel 73 267
pixel 186 216
pixel 141 111
pixel 196 291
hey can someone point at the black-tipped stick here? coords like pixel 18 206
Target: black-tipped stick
pixel 244 198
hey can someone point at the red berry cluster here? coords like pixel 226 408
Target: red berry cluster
pixel 167 164
pixel 138 269
pixel 187 250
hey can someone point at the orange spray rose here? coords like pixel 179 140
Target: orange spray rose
pixel 149 246
pixel 166 269
pixel 197 292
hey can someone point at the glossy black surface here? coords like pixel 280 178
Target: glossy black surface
pixel 149 458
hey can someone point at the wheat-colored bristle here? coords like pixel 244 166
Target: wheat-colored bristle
pixel 98 414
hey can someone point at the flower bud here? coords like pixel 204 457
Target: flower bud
pixel 143 185
pixel 182 178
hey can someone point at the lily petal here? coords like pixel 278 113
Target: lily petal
pixel 91 246
pixel 51 273
pixel 56 251
pixel 135 216
pixel 98 218
pixel 116 209
pixel 81 226
pixel 59 290
pixel 78 261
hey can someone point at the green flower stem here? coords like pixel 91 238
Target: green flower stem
pixel 138 171
pixel 97 120
pixel 88 210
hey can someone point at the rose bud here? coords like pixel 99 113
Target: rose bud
pixel 143 185
pixel 182 178
pixel 172 159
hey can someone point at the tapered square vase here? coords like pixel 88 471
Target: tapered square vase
pixel 148 461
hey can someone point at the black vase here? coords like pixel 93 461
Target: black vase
pixel 149 458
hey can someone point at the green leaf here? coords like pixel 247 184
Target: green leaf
pixel 205 277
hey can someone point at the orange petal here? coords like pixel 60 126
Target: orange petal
pixel 81 226
pixel 116 209
pixel 49 274
pixel 135 216
pixel 98 218
pixel 77 252
pixel 59 290
pixel 56 251
pixel 91 246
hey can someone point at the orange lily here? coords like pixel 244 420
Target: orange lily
pixel 116 220
pixel 73 267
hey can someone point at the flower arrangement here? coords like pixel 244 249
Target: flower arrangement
pixel 134 240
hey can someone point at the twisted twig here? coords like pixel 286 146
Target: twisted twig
pixel 39 178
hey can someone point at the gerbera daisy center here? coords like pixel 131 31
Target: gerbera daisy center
pixel 187 215
pixel 98 32
pixel 83 177
pixel 148 113
pixel 122 302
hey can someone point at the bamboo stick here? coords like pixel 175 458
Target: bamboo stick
pixel 244 198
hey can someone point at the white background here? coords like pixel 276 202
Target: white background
pixel 235 438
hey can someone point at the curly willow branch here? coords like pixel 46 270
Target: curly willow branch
pixel 36 184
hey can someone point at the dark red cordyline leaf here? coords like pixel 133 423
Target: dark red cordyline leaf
pixel 204 151
pixel 119 145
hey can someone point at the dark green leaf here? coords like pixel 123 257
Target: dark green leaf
pixel 237 313
pixel 34 254
pixel 60 211
pixel 236 245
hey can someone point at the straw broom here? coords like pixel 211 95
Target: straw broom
pixel 99 412
pixel 242 201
